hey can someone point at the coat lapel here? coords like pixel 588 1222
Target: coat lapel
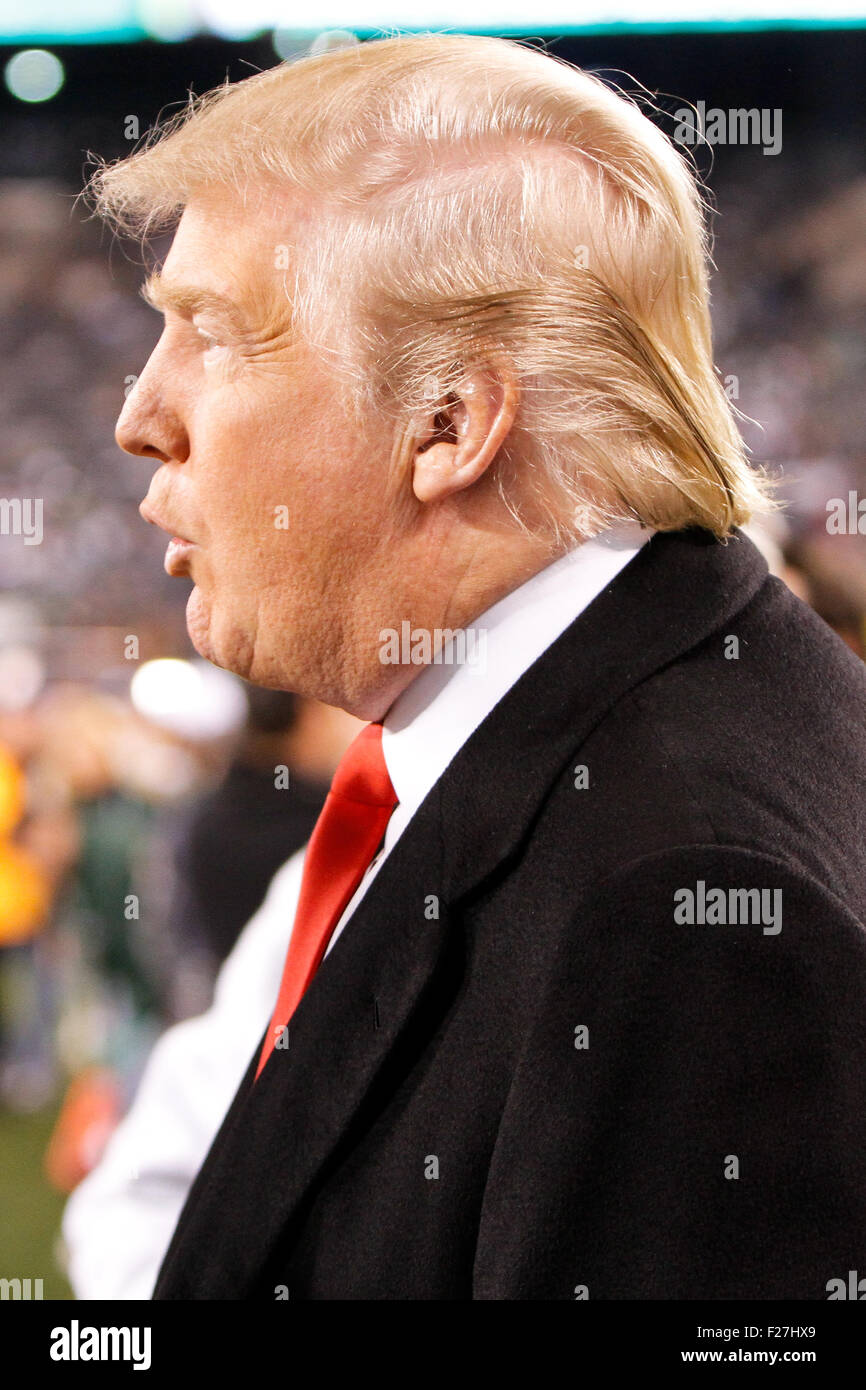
pixel 282 1133
pixel 374 991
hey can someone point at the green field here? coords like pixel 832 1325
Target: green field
pixel 30 1208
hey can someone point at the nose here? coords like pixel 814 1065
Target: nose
pixel 150 425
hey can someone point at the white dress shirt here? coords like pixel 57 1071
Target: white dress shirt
pixel 119 1221
pixel 430 722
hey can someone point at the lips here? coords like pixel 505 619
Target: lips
pixel 177 556
pixel 179 547
pixel 156 520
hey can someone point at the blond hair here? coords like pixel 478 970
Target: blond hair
pixel 479 199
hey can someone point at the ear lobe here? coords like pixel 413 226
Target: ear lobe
pixel 434 474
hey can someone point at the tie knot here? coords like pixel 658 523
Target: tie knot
pixel 362 774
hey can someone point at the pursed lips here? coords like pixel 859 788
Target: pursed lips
pixel 176 555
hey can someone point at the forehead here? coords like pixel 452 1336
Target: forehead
pixel 232 246
pixel 220 235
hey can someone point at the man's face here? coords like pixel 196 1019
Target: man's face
pixel 260 472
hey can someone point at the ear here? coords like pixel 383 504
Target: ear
pixel 459 442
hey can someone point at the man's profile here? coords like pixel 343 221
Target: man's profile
pixel 573 996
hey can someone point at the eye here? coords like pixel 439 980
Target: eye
pixel 209 341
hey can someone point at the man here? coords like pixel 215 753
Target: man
pixel 573 996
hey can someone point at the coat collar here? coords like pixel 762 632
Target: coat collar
pixel 283 1135
pixel 680 588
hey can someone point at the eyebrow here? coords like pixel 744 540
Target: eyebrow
pixel 187 300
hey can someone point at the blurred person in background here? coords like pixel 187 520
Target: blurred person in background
pixel 236 836
pixel 105 1003
pixel 25 898
pixel 264 759
pixel 170 863
pixel 118 1222
pixel 99 778
pixel 39 843
pixel 833 579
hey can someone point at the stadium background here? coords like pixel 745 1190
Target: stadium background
pixel 98 779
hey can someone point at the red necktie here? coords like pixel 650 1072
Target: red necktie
pixel 345 838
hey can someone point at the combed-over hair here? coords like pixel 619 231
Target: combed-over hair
pixel 478 200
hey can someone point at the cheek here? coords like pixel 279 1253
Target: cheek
pixel 242 507
pixel 287 493
pixel 263 461
pixel 258 559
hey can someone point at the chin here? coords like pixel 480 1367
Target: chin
pixel 200 629
pixel 198 622
pixel 229 645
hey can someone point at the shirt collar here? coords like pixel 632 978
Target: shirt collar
pixel 433 717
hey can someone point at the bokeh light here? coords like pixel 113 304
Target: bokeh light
pixel 168 20
pixel 34 75
pixel 191 699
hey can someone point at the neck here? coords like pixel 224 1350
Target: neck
pixel 420 618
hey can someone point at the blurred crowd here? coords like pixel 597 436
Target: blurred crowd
pixel 141 818
pixel 138 835
pixel 789 319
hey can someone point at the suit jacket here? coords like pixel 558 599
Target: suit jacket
pixel 523 1072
